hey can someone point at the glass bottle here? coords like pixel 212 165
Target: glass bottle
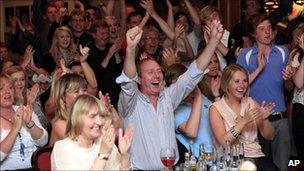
pixel 187 162
pixel 192 156
pixel 228 159
pixel 214 166
pixel 221 164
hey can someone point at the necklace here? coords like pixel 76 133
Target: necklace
pixel 9 120
pixel 22 146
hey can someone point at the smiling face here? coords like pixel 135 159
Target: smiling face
pixel 238 85
pixel 70 96
pixel 264 33
pixel 151 78
pixel 19 81
pixel 6 92
pixel 92 124
pixel 77 23
pixel 151 42
pixel 64 39
pixel 88 115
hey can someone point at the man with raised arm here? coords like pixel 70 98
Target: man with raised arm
pixel 149 106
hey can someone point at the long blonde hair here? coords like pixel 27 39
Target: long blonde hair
pixel 228 73
pixel 66 83
pixel 72 48
pixel 82 105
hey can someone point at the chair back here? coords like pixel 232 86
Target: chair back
pixel 41 159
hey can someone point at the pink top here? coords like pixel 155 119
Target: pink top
pixel 249 134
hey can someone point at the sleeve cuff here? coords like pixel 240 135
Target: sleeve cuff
pixel 124 79
pixel 2 155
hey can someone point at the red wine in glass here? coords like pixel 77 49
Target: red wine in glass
pixel 168 156
pixel 168 161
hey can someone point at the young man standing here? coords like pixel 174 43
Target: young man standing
pixel 266 63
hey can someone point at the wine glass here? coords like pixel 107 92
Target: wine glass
pixel 168 156
pixel 209 154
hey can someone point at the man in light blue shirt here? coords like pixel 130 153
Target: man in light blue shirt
pixel 149 106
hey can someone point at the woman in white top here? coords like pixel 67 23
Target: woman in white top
pixel 89 142
pixel 237 118
pixel 20 130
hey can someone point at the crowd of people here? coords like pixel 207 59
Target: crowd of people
pixel 108 92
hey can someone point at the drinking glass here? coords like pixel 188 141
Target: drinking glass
pixel 209 154
pixel 168 156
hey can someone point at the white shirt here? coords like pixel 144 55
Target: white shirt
pixel 15 160
pixel 68 155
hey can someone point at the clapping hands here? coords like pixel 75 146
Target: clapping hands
pixel 125 140
pixel 251 114
pixel 259 112
pixel 266 109
pixel 32 94
pixel 108 138
pixel 170 57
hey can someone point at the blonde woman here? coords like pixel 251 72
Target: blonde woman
pixel 67 88
pixel 20 130
pixel 63 46
pixel 89 144
pixel 20 80
pixel 83 69
pixel 24 96
pixel 237 118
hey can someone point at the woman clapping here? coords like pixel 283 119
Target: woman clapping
pixel 89 142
